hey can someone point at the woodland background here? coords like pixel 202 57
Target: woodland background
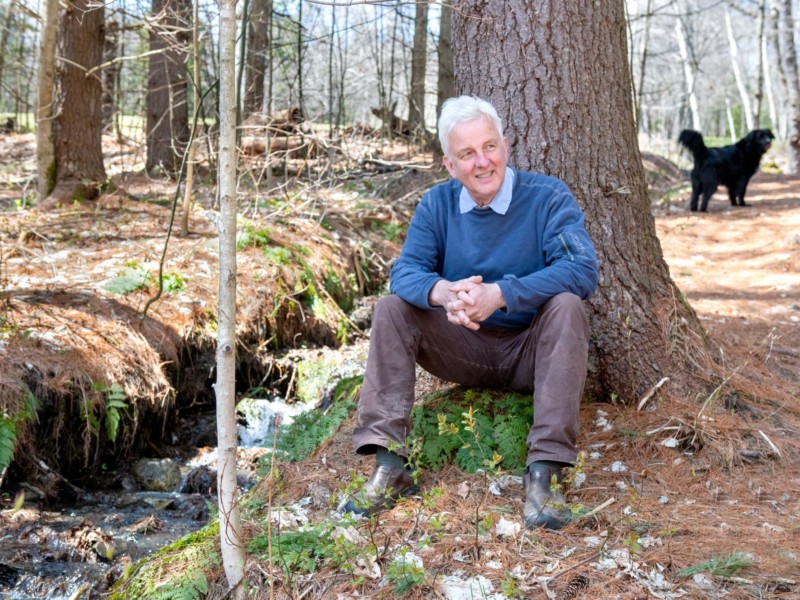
pixel 331 109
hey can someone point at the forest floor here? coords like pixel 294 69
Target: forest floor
pixel 694 499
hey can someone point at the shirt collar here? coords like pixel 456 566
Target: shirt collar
pixel 499 203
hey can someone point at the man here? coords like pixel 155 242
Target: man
pixel 486 293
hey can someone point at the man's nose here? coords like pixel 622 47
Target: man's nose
pixel 481 159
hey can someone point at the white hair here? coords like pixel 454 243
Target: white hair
pixel 460 110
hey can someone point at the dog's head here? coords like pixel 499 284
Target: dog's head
pixel 759 140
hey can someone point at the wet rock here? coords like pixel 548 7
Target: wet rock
pixel 200 480
pixel 195 508
pixel 8 576
pixel 158 475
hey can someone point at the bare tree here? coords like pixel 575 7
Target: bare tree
pixel 789 54
pixel 258 41
pixel 231 543
pixel 45 146
pixel 560 108
pixel 416 95
pixel 737 74
pixel 446 86
pixel 688 72
pixel 167 109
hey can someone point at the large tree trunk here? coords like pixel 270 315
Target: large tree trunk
pixel 167 109
pixel 257 51
pixel 571 118
pixel 78 126
pixel 45 147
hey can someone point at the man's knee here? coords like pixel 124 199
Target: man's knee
pixel 567 309
pixel 390 307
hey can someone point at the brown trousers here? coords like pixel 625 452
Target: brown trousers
pixel 549 358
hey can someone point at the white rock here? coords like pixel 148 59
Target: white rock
pixel 506 528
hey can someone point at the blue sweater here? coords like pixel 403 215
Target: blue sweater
pixel 538 249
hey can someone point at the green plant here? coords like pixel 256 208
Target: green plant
pixel 249 235
pixel 115 404
pixel 498 426
pixel 405 573
pixel 133 277
pixel 720 566
pixel 173 283
pixel 303 550
pixel 298 440
pixel 9 428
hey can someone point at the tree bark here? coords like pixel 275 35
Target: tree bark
pixel 737 75
pixel 80 173
pixel 231 543
pixel 789 53
pixel 446 87
pixel 561 83
pixel 110 73
pixel 257 51
pixel 167 108
pixel 688 73
pixel 45 145
pixel 419 56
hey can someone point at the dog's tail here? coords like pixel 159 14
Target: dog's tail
pixel 693 141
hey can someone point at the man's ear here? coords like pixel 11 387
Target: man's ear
pixel 505 146
pixel 449 166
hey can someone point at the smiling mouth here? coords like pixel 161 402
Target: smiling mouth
pixel 484 175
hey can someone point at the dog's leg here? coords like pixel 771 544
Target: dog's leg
pixel 706 197
pixel 741 188
pixel 695 195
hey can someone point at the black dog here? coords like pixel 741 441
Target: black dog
pixel 731 166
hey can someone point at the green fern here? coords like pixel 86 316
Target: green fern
pixel 8 439
pixel 501 424
pixel 297 441
pixel 9 428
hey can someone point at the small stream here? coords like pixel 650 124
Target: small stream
pixel 78 551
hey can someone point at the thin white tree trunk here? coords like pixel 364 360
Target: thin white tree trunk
pixel 688 74
pixel 731 122
pixel 45 144
pixel 773 112
pixel 737 74
pixel 230 525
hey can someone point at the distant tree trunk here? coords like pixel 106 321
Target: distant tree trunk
pixel 419 56
pixel 759 95
pixel 167 109
pixel 7 27
pixel 257 51
pixel 45 146
pixel 189 185
pixel 775 43
pixel 231 541
pixel 446 86
pixel 789 52
pixel 110 74
pixel 80 173
pixel 560 109
pixel 643 64
pixel 688 73
pixel 737 74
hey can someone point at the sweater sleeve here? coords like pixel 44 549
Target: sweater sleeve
pixel 570 259
pixel 414 273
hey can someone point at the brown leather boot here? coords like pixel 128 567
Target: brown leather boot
pixel 544 506
pixel 381 491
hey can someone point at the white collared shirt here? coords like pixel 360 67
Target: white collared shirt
pixel 499 203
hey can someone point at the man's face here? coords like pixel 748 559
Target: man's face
pixel 477 158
